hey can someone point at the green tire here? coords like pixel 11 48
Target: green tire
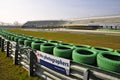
pixel 44 40
pixel 102 49
pixel 67 45
pixel 109 61
pixel 82 46
pixel 9 37
pixel 36 44
pixel 47 48
pixel 28 42
pixel 31 37
pixel 16 39
pixel 36 39
pixel 117 51
pixel 63 51
pixel 21 41
pixel 54 42
pixel 12 38
pixel 84 55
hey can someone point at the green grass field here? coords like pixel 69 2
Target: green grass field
pixel 8 71
pixel 76 38
pixel 109 30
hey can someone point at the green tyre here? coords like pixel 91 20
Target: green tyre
pixel 12 38
pixel 47 48
pixel 102 49
pixel 109 61
pixel 36 39
pixel 117 51
pixel 84 55
pixel 63 51
pixel 28 42
pixel 54 42
pixel 67 45
pixel 9 37
pixel 21 41
pixel 17 38
pixel 82 46
pixel 36 44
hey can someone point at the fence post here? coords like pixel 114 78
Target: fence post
pixel 86 75
pixel 16 55
pixel 31 65
pixel 7 52
pixel 2 45
pixel 0 41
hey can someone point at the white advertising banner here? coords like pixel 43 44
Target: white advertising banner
pixel 55 63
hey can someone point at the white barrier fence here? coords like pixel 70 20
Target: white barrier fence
pixel 49 67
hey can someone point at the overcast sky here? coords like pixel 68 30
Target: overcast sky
pixel 26 10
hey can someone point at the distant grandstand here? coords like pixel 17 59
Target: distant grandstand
pixel 107 22
pixel 44 24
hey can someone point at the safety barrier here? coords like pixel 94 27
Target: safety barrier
pixel 49 67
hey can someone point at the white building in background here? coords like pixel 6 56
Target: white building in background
pixel 107 22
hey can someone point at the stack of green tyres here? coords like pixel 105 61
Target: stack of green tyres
pixel 102 57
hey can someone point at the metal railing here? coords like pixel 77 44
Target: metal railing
pixel 26 57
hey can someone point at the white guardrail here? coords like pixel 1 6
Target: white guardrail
pixel 49 67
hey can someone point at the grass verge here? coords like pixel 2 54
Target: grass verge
pixel 8 71
pixel 89 39
pixel 108 30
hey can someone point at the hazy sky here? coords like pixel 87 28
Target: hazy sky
pixel 25 10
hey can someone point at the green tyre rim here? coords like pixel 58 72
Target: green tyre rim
pixel 63 51
pixel 109 61
pixel 117 51
pixel 82 46
pixel 67 45
pixel 47 48
pixel 9 37
pixel 84 55
pixel 12 38
pixel 30 37
pixel 36 39
pixel 28 42
pixel 54 42
pixel 102 49
pixel 36 44
pixel 44 40
pixel 21 41
pixel 16 39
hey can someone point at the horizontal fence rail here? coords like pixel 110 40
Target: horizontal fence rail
pixel 27 57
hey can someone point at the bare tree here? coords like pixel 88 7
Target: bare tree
pixel 16 23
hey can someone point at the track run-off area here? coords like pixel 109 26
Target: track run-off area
pixel 104 32
pixel 87 37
